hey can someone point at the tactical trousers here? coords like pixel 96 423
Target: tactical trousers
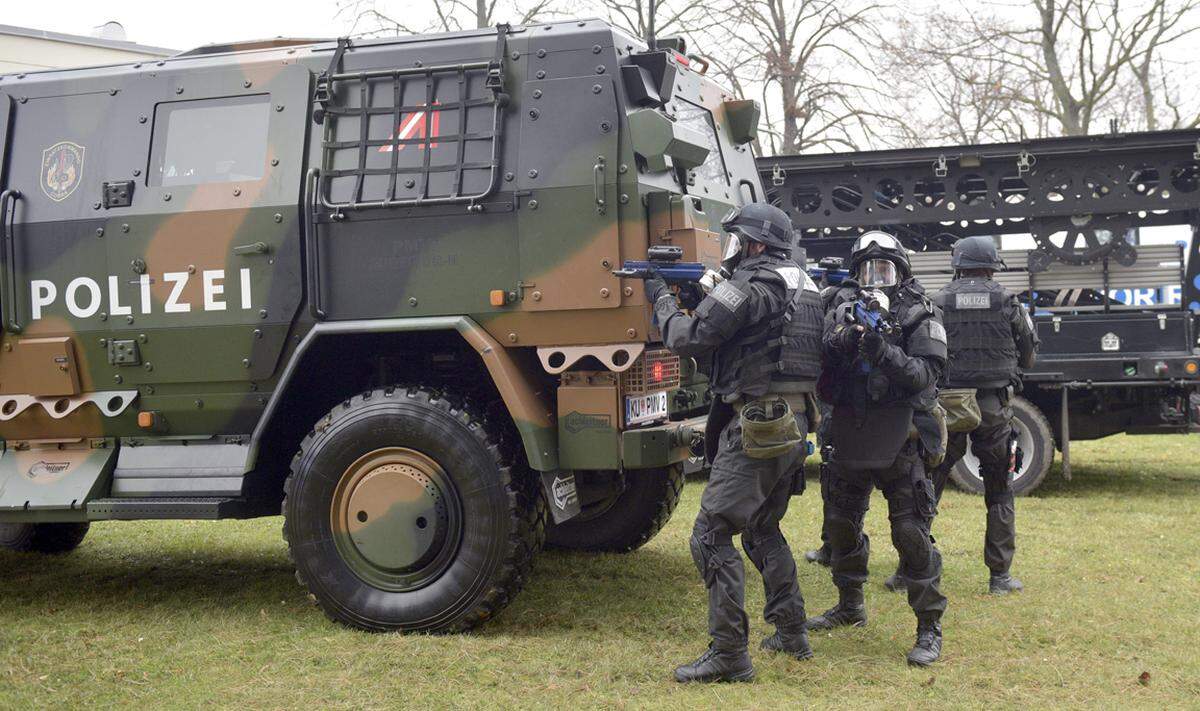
pixel 989 443
pixel 911 508
pixel 749 497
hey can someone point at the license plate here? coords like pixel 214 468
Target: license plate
pixel 645 408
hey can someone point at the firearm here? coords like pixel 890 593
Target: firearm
pixel 869 313
pixel 829 272
pixel 662 261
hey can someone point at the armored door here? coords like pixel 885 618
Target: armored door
pixel 151 236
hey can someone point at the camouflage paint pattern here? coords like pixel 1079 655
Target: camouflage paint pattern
pixel 202 287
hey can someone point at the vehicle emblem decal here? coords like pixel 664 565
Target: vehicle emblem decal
pixel 62 168
pixel 564 491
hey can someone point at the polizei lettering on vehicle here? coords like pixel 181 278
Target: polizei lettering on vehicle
pixel 84 297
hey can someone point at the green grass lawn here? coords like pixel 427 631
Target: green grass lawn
pixel 191 614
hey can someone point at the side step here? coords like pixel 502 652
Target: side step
pixel 178 507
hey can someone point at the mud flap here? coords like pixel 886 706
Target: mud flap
pixel 59 477
pixel 561 494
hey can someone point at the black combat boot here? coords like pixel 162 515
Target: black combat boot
pixel 849 612
pixel 717 665
pixel 1004 584
pixel 789 641
pixel 818 555
pixel 928 648
pixel 896 582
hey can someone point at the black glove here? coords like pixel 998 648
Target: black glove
pixel 873 346
pixel 848 339
pixel 655 288
pixel 690 295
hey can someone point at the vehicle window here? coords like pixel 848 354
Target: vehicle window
pixel 699 119
pixel 210 140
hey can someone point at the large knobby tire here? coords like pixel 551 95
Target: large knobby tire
pixel 404 511
pixel 1034 439
pixel 626 521
pixel 50 538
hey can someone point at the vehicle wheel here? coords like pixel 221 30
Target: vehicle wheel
pixel 1034 439
pixel 51 538
pixel 403 512
pixel 624 521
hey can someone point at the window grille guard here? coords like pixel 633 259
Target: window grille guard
pixel 330 112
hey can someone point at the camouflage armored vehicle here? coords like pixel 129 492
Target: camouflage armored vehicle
pixel 368 282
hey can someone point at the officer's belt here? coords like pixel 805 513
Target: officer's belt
pixel 797 401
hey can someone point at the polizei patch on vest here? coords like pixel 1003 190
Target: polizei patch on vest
pixel 62 168
pixel 729 295
pixel 972 301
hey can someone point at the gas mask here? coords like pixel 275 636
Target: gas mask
pixel 735 252
pixel 879 274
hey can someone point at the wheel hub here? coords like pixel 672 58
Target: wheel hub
pixel 395 518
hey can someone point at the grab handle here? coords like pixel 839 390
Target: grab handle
pixel 598 184
pixel 8 238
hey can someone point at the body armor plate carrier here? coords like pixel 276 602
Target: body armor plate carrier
pixel 983 353
pixel 787 350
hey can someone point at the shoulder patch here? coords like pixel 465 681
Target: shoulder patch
pixel 729 295
pixel 937 331
pixel 791 276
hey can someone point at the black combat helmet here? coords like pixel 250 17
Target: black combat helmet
pixel 877 253
pixel 976 252
pixel 761 223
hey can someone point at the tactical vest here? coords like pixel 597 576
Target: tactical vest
pixel 983 353
pixel 781 354
pixel 866 387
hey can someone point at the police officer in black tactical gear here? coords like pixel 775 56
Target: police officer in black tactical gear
pixel 885 349
pixel 757 334
pixel 991 336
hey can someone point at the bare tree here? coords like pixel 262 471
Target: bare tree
pixel 1073 62
pixel 937 97
pixel 651 19
pixel 805 60
pixel 375 18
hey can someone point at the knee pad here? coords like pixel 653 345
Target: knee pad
pixel 911 538
pixel 842 529
pixel 706 546
pixel 759 547
pixel 997 484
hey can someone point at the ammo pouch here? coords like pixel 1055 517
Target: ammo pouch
pixel 769 429
pixel 962 409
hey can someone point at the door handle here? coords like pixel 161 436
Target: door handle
pixel 248 249
pixel 8 239
pixel 598 184
pixel 312 186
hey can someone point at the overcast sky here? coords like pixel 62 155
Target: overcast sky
pixel 182 25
